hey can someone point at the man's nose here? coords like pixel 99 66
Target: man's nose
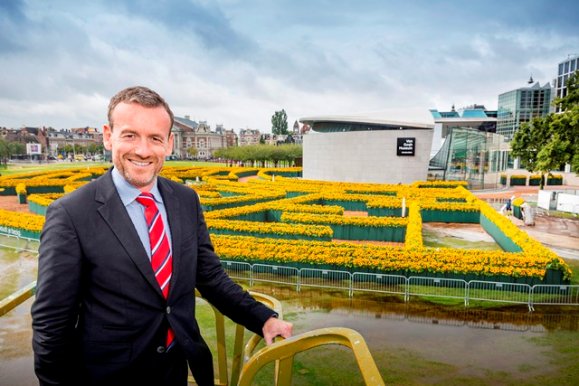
pixel 143 147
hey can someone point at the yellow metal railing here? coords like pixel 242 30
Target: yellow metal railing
pixel 245 363
pixel 222 376
pixel 285 350
pixel 17 298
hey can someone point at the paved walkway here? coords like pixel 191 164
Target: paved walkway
pixel 561 235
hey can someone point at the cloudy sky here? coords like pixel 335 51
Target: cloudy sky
pixel 235 62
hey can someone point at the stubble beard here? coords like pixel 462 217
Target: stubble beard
pixel 138 180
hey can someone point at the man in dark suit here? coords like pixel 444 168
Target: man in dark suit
pixel 105 313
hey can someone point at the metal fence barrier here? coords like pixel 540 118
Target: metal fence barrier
pixel 555 294
pixel 325 278
pixel 392 284
pixel 238 270
pixel 436 287
pixel 275 274
pixel 19 243
pixel 499 292
pixel 474 290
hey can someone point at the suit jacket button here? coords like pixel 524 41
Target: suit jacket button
pixel 161 349
pixel 168 310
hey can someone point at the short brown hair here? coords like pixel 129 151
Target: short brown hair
pixel 141 95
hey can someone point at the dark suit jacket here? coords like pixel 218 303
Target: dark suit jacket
pixel 99 314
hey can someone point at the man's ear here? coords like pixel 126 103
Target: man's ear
pixel 170 143
pixel 107 133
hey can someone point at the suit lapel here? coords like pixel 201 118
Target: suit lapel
pixel 115 215
pixel 173 208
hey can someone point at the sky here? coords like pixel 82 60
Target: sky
pixel 237 62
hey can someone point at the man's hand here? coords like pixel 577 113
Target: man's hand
pixel 274 327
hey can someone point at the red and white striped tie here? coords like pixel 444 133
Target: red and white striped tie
pixel 161 258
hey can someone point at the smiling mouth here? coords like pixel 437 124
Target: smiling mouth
pixel 140 163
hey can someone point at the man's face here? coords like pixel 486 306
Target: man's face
pixel 139 141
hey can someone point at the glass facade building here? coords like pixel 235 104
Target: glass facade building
pixel 470 155
pixel 565 69
pixel 521 105
pixel 467 148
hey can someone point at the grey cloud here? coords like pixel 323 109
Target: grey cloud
pixel 13 24
pixel 202 19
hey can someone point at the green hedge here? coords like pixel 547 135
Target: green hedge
pixel 518 181
pixel 36 208
pixel 496 233
pixel 44 189
pixel 268 235
pixel 19 233
pixel 8 191
pixel 352 232
pixel 429 215
pixel 348 205
pixel 386 212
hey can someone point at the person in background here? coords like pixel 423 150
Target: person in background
pixel 119 261
pixel 509 206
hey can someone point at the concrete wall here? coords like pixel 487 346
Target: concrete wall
pixel 365 156
pixel 568 203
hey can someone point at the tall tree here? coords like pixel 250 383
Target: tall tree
pixel 548 142
pixel 279 123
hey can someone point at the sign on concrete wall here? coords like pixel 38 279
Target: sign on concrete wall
pixel 406 146
pixel 33 148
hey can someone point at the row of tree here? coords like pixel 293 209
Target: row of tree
pixel 8 149
pixel 545 143
pixel 258 155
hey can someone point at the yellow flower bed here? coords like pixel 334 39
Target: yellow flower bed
pixel 25 221
pixel 20 189
pixel 414 228
pixel 381 258
pixel 450 206
pixel 269 228
pixel 384 202
pixel 44 199
pixel 314 209
pixel 306 218
pixel 307 207
pixel 239 199
pixel 439 184
pixel 267 173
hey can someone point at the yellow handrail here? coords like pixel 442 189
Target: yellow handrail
pixel 285 350
pixel 17 298
pixel 222 378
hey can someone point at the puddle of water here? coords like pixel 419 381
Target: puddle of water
pixel 475 342
pixel 16 365
pixel 17 269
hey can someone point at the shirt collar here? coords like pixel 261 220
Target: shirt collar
pixel 128 192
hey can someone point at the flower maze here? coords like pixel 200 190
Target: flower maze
pixel 279 219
